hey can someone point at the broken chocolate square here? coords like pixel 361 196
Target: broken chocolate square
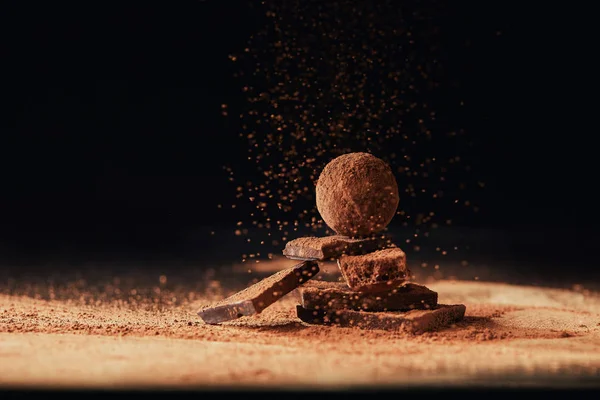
pixel 259 296
pixel 380 270
pixel 331 247
pixel 415 321
pixel 320 295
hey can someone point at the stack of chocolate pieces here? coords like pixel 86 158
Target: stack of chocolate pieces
pixel 356 195
pixel 376 293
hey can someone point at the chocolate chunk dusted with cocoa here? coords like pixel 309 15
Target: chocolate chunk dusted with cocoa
pixel 375 271
pixel 259 296
pixel 357 194
pixel 318 295
pixel 330 247
pixel 415 321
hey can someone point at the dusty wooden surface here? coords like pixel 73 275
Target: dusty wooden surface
pixel 512 335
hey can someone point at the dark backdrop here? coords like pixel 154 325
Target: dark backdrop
pixel 113 140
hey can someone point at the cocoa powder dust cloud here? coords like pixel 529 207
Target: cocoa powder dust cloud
pixel 323 79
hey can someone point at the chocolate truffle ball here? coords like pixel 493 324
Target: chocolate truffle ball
pixel 357 194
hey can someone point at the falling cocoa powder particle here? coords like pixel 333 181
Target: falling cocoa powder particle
pixel 357 194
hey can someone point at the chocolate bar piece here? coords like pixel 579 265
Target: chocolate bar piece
pixel 330 247
pixel 415 321
pixel 259 296
pixel 320 295
pixel 375 271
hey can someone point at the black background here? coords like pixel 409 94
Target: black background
pixel 113 140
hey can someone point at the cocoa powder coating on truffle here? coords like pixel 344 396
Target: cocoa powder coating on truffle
pixel 357 194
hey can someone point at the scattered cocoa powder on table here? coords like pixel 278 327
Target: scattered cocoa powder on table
pixel 154 338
